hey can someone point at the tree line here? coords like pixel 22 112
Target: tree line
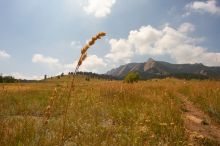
pixel 89 75
pixel 7 79
pixel 11 79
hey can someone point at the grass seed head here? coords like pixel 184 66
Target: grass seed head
pixel 86 47
pixel 84 56
pixel 92 42
pixel 79 62
pixel 94 38
pixel 102 34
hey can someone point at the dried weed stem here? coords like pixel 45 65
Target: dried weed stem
pixel 83 56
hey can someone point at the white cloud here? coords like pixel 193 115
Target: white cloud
pixel 25 76
pixel 53 63
pixel 99 8
pixel 39 58
pixel 143 40
pixel 210 6
pixel 4 54
pixel 92 64
pixel 186 27
pixel 121 50
pixel 175 43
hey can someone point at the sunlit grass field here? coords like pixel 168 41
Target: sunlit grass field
pixel 102 112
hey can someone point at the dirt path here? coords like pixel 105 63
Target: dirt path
pixel 198 124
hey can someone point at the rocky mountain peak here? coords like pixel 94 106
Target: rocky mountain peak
pixel 150 60
pixel 153 68
pixel 149 64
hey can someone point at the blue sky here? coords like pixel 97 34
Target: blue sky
pixel 40 37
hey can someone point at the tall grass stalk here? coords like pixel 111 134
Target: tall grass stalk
pixel 83 56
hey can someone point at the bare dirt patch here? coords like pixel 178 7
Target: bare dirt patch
pixel 199 126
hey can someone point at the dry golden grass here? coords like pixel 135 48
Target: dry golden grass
pixel 100 112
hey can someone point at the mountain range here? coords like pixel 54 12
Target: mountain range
pixel 161 69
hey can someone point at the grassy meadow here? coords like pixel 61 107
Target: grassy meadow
pixel 101 112
pixel 205 95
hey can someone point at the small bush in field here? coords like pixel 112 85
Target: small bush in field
pixel 132 77
pixel 87 79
